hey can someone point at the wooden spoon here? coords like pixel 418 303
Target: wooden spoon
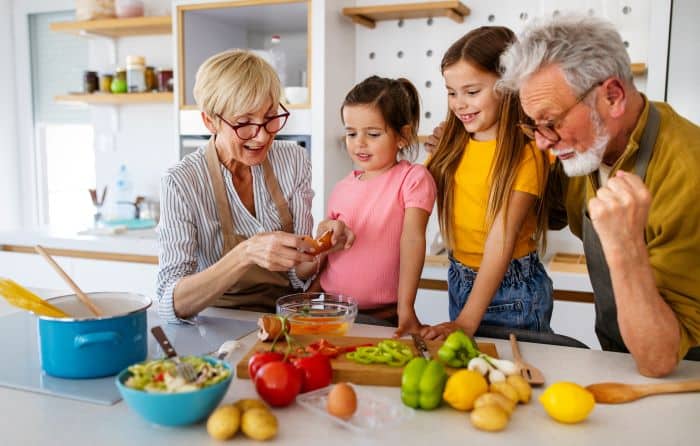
pixel 78 292
pixel 615 393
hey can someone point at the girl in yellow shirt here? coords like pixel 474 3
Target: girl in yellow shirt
pixel 490 190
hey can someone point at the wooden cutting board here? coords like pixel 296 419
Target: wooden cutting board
pixel 345 370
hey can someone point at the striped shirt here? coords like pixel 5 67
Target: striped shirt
pixel 189 232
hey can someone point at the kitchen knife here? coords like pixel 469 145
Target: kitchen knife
pixel 420 346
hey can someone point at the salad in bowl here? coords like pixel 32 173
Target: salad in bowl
pixel 160 375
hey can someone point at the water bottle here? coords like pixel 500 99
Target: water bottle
pixel 123 195
pixel 278 58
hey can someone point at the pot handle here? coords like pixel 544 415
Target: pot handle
pixel 101 337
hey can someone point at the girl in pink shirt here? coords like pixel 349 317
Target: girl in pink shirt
pixel 385 203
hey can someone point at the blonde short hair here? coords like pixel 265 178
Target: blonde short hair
pixel 235 82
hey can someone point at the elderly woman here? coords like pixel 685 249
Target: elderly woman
pixel 232 211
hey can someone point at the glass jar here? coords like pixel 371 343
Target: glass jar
pixel 90 82
pixel 165 79
pixel 128 8
pixel 135 74
pixel 119 81
pixel 150 77
pixel 106 82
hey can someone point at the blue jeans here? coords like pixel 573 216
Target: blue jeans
pixel 524 299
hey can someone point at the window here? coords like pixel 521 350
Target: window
pixel 64 155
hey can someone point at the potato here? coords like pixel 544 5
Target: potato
pixel 521 386
pixel 498 399
pixel 259 424
pixel 506 390
pixel 489 418
pixel 223 423
pixel 250 403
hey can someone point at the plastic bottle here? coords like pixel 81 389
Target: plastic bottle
pixel 278 58
pixel 123 195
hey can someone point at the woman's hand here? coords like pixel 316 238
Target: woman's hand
pixel 275 251
pixel 439 331
pixel 342 238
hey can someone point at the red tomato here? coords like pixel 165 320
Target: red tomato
pixel 260 359
pixel 278 383
pixel 316 370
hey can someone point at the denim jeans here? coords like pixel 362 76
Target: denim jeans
pixel 524 299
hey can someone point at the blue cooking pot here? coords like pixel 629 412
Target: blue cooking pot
pixel 85 346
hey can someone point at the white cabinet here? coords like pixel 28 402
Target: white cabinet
pixel 31 271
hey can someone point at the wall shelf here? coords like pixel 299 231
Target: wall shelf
pixel 117 99
pixel 134 26
pixel 639 68
pixel 369 15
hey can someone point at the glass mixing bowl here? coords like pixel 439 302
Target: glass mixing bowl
pixel 318 313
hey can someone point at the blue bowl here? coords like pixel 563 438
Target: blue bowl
pixel 175 409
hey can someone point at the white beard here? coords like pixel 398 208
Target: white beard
pixel 583 163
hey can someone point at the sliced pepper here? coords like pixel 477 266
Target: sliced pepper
pixel 422 383
pixel 389 352
pixel 457 350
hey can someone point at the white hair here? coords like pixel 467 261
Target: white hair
pixel 587 49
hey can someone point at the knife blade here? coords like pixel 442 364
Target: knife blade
pixel 420 346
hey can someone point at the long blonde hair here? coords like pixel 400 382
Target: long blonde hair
pixel 483 47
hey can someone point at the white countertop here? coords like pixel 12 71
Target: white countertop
pixel 144 242
pixel 139 242
pixel 33 419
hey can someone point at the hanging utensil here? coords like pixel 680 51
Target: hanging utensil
pixel 615 393
pixel 20 297
pixel 78 292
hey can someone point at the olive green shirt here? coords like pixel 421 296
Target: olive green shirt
pixel 672 235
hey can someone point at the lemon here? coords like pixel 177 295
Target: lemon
pixel 463 388
pixel 567 402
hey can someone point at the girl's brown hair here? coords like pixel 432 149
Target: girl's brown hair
pixel 482 47
pixel 398 102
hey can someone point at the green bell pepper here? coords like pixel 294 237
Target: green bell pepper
pixel 422 383
pixel 457 350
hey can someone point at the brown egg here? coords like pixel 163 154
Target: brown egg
pixel 342 401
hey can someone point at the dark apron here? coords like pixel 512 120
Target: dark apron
pixel 606 326
pixel 258 289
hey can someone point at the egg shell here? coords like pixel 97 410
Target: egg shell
pixel 342 401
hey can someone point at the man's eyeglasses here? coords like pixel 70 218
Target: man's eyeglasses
pixel 250 130
pixel 549 130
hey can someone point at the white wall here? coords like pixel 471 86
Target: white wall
pixel 684 61
pixel 140 136
pixel 9 162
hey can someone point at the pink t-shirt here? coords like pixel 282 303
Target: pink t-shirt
pixel 374 210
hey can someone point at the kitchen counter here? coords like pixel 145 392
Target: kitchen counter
pixel 142 246
pixel 33 419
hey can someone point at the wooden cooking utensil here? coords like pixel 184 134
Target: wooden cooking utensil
pixel 615 393
pixel 82 296
pixel 532 374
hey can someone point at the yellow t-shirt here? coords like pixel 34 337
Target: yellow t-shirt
pixel 472 186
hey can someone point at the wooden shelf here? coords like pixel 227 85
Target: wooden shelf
pixel 117 99
pixel 568 263
pixel 134 26
pixel 639 68
pixel 369 15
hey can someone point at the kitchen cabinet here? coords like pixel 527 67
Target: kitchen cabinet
pixel 204 29
pixel 31 271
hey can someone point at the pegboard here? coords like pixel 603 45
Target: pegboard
pixel 413 48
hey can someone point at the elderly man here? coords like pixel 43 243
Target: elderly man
pixel 626 182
